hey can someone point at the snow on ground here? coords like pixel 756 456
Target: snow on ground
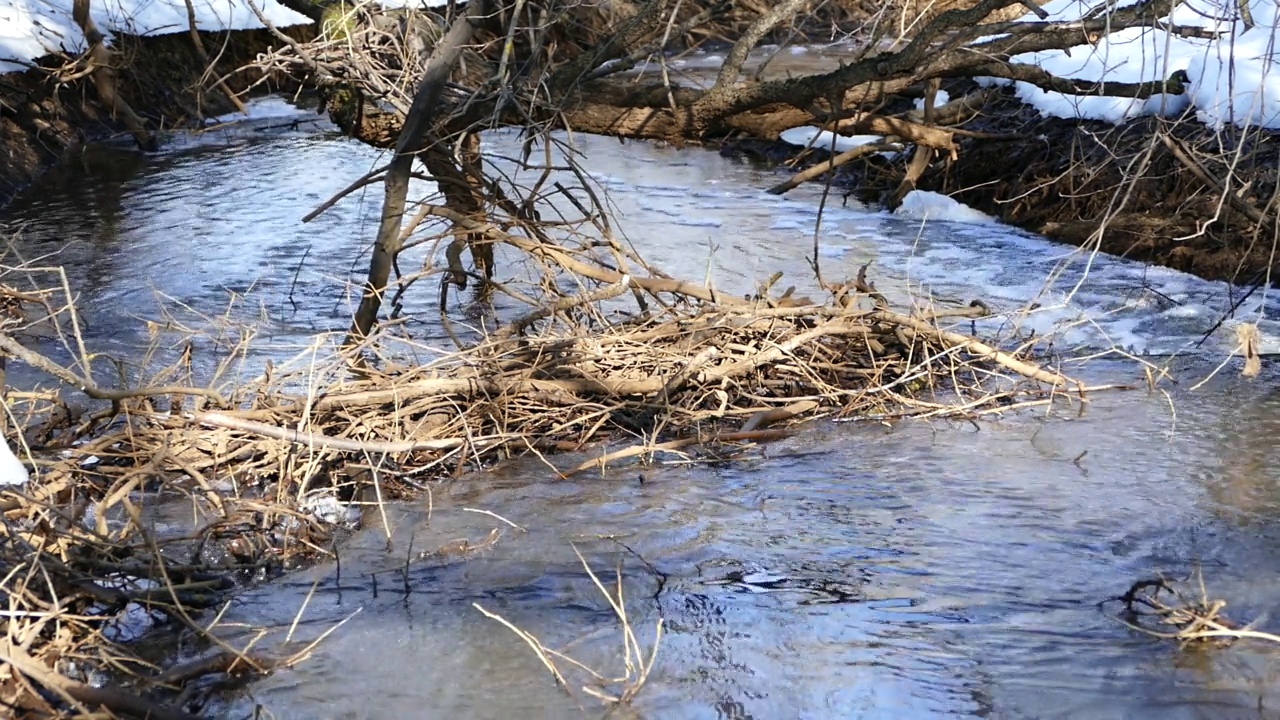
pixel 941 99
pixel 33 28
pixel 1234 78
pixel 808 136
pixel 925 205
pixel 12 471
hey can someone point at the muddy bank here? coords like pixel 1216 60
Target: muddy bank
pixel 162 77
pixel 1176 192
pixel 1168 192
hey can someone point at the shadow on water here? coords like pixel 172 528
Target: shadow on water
pixel 856 570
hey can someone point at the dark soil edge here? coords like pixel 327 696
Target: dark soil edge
pixel 1059 178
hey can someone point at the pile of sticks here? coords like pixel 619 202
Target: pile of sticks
pixel 264 470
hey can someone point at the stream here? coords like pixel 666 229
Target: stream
pixel 919 569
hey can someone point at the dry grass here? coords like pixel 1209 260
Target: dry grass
pixel 637 662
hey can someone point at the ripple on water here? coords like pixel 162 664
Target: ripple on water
pixel 226 214
pixel 860 571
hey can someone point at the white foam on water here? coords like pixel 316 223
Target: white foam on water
pixel 263 108
pixel 785 223
pixel 1082 301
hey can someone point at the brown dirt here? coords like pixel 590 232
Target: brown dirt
pixel 41 121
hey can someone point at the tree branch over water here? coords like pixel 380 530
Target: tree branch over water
pixel 423 112
pixel 531 65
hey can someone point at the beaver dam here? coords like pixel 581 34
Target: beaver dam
pixel 574 411
pixel 610 356
pixel 508 319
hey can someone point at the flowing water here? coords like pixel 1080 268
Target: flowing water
pixel 854 570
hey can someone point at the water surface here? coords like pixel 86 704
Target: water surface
pixel 914 569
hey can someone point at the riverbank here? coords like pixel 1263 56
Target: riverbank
pixel 164 79
pixel 1170 192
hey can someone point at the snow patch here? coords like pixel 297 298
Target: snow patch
pixel 12 471
pixel 942 98
pixel 30 29
pixel 822 139
pixel 327 508
pixel 1233 79
pixel 925 205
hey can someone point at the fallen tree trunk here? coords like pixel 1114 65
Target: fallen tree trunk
pixel 951 45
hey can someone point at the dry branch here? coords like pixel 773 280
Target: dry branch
pixel 826 166
pixel 1159 608
pixel 12 348
pixel 982 350
pixel 323 442
pixel 87 695
pixel 425 108
pixel 104 77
